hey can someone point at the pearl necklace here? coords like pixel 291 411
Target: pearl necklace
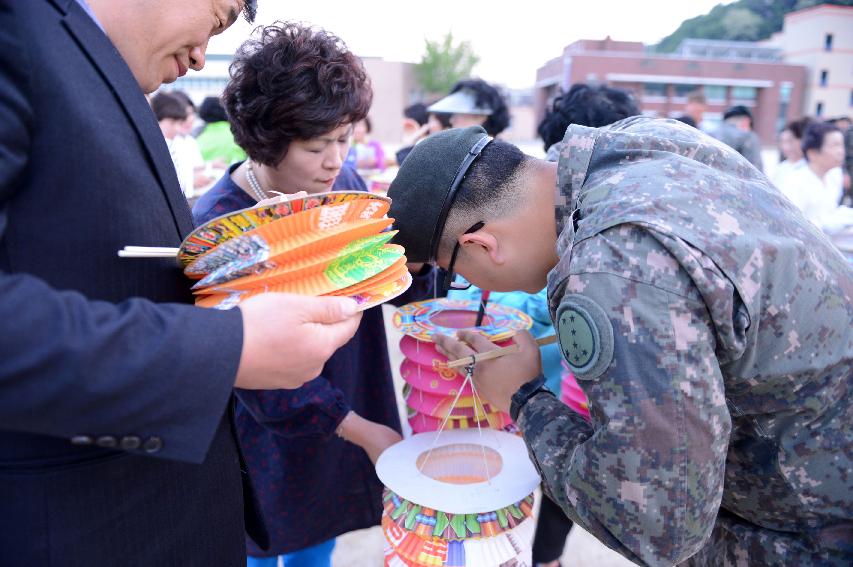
pixel 259 193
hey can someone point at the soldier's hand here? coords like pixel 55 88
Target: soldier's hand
pixel 498 379
pixel 287 338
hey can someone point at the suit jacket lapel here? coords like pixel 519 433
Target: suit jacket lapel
pixel 115 71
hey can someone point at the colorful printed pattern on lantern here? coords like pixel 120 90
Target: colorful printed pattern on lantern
pixel 458 498
pixel 495 551
pixel 309 248
pixel 431 388
pixel 423 319
pixel 231 225
pixel 426 522
pixel 300 232
pixel 271 274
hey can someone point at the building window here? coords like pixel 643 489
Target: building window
pixel 824 77
pixel 744 93
pixel 654 89
pixel 827 42
pixel 818 111
pixel 684 90
pixel 715 93
pixel 785 90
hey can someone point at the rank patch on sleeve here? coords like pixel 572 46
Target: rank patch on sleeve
pixel 586 336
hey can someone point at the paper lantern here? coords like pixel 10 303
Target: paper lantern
pixel 458 498
pixel 571 394
pixel 328 244
pixel 432 388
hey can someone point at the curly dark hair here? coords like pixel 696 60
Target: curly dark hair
pixel 487 96
pixel 586 105
pixel 292 83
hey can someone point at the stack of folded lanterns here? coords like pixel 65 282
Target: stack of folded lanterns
pixel 458 498
pixel 332 244
pixel 431 387
pixel 460 491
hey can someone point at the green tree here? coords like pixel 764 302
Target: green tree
pixel 444 63
pixel 742 25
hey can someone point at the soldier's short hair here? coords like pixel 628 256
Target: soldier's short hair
pixel 490 190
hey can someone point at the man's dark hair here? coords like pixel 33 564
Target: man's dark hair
pixel 488 191
pixel 798 127
pixel 292 83
pixel 814 136
pixel 443 119
pixel 211 110
pixel 696 96
pixel 167 105
pixel 185 98
pixel 738 110
pixel 487 96
pixel 838 119
pixel 585 105
pixel 686 120
pixel 417 112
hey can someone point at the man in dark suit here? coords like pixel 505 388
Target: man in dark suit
pixel 115 439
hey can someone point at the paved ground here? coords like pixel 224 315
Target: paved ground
pixel 363 548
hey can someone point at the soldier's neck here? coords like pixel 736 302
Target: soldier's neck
pixel 543 199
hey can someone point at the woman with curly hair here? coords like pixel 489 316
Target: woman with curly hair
pixel 474 102
pixel 294 95
pixel 588 105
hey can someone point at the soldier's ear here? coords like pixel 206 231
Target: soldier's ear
pixel 485 242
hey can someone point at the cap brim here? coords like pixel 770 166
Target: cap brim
pixel 460 102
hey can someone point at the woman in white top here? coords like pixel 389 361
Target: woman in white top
pixel 814 187
pixel 792 153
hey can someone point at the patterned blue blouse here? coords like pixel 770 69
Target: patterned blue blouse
pixel 311 485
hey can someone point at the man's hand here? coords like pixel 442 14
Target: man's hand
pixel 287 338
pixel 498 379
pixel 371 436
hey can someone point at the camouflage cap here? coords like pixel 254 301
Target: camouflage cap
pixel 426 185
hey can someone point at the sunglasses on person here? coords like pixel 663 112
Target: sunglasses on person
pixel 450 276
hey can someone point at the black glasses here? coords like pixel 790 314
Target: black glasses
pixel 450 276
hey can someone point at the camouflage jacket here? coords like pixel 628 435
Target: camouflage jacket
pixel 746 144
pixel 711 328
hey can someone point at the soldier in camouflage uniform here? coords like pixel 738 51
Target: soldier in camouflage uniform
pixel 709 324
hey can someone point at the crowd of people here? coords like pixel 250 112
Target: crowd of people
pixel 136 428
pixel 813 169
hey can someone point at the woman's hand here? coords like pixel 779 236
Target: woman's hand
pixel 371 436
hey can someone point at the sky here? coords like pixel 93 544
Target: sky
pixel 512 39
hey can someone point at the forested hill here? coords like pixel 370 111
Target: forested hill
pixel 744 20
